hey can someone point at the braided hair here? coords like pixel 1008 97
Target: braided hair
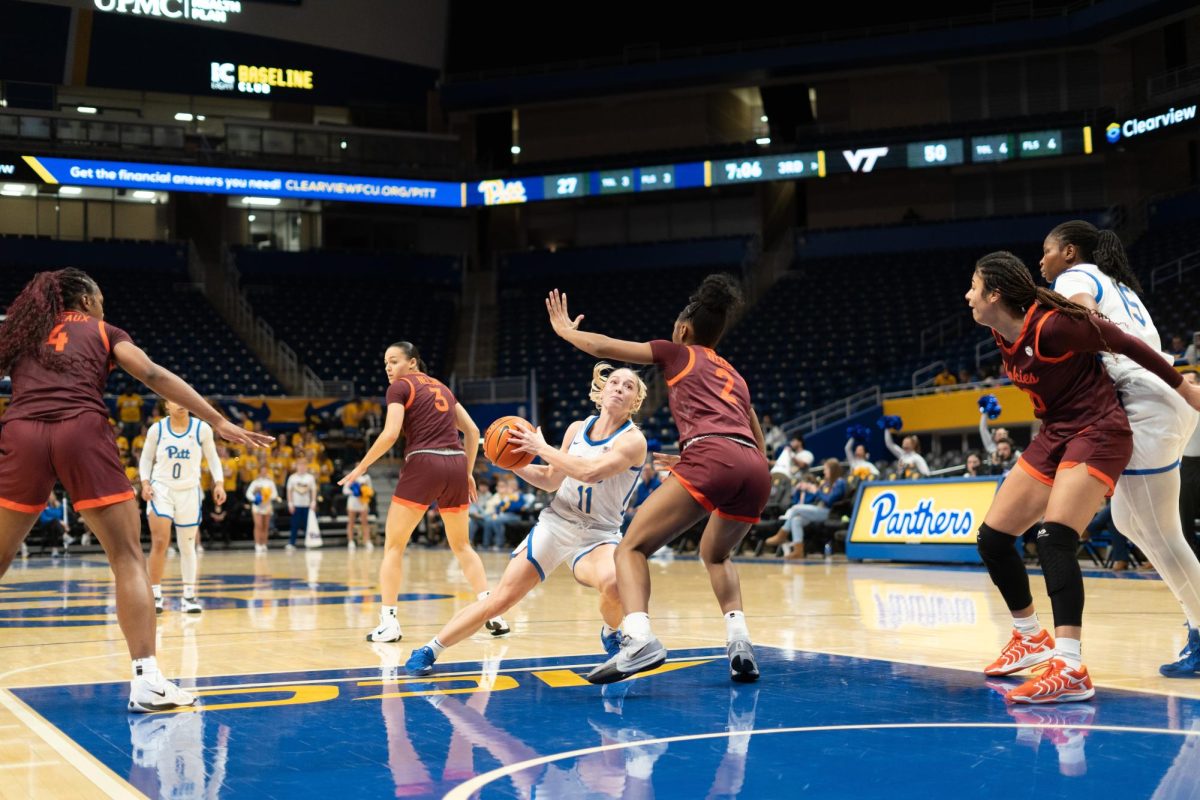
pixel 1007 274
pixel 709 309
pixel 34 313
pixel 1102 248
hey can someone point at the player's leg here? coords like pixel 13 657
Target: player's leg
pixel 187 528
pixel 668 511
pixel 518 580
pixel 598 569
pixel 458 536
pixel 721 535
pixel 402 520
pixel 1018 504
pixel 1145 508
pixel 14 527
pixel 350 543
pixel 160 539
pixel 1078 490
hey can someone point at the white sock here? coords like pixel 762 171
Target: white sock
pixel 437 647
pixel 146 668
pixel 1029 626
pixel 1069 650
pixel 157 591
pixel 637 626
pixel 189 590
pixel 735 626
pixel 388 611
pixel 607 631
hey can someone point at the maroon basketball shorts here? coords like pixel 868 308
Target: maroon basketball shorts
pixel 1105 448
pixel 725 477
pixel 80 452
pixel 430 478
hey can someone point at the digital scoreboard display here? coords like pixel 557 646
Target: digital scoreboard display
pixel 792 166
pixel 941 153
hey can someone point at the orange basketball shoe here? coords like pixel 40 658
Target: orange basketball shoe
pixel 1022 652
pixel 1057 684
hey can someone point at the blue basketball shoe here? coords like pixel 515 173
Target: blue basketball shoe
pixel 611 642
pixel 421 661
pixel 1189 665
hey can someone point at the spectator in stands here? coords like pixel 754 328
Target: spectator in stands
pixel 358 507
pixel 945 378
pixel 139 441
pixel 648 481
pixel 1190 355
pixel 261 494
pixel 911 465
pixel 53 524
pixel 813 505
pixel 129 412
pixel 1003 457
pixel 1178 349
pixel 991 437
pixel 965 376
pixel 352 413
pixel 858 461
pixel 1189 480
pixel 773 435
pixel 216 522
pixel 1118 552
pixel 974 467
pixel 476 514
pixel 301 497
pixel 508 503
pixel 372 419
pixel 792 463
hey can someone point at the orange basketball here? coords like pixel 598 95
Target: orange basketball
pixel 497 447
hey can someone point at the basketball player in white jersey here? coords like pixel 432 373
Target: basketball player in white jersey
pixel 593 476
pixel 170 471
pixel 1089 266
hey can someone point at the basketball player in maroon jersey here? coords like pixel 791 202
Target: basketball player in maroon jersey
pixel 721 474
pixel 1048 346
pixel 59 351
pixel 436 470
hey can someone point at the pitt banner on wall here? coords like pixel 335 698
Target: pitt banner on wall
pixel 929 520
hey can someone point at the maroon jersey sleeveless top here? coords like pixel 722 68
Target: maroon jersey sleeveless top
pixel 429 417
pixel 706 394
pixel 1070 387
pixel 41 393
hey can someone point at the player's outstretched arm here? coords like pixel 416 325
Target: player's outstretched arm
pixel 393 424
pixel 594 344
pixel 165 383
pixel 629 451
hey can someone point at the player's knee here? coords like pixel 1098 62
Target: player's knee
pixel 994 545
pixel 1057 547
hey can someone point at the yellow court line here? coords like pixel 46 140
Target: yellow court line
pixel 469 788
pixel 100 776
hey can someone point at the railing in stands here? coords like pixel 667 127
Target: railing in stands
pixel 926 374
pixel 1174 270
pixel 985 351
pixel 937 333
pixel 832 412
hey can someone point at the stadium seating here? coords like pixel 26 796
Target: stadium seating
pixel 339 311
pixel 148 293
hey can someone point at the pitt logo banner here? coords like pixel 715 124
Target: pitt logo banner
pixel 922 512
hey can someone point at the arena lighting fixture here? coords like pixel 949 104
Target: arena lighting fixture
pixel 763 118
pixel 86 109
pixel 200 118
pixel 145 194
pixel 763 140
pixel 14 187
pixel 515 149
pixel 344 145
pixel 251 218
pixel 71 190
pixel 183 116
pixel 261 201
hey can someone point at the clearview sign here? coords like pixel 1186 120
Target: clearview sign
pixel 216 11
pixel 1137 126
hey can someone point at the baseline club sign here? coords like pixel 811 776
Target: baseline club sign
pixel 216 11
pixel 188 178
pixel 930 520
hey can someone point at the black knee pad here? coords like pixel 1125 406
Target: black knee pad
pixel 999 553
pixel 1057 547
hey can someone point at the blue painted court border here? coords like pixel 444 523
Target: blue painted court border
pixel 950 731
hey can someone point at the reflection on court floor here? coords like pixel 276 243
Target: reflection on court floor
pixel 823 725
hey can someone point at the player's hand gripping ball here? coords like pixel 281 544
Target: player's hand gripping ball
pixel 499 449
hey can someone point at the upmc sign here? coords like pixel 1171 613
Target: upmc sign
pixel 217 11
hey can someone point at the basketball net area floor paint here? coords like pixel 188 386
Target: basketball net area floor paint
pixel 871 687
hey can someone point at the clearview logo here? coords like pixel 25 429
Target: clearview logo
pixel 1136 127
